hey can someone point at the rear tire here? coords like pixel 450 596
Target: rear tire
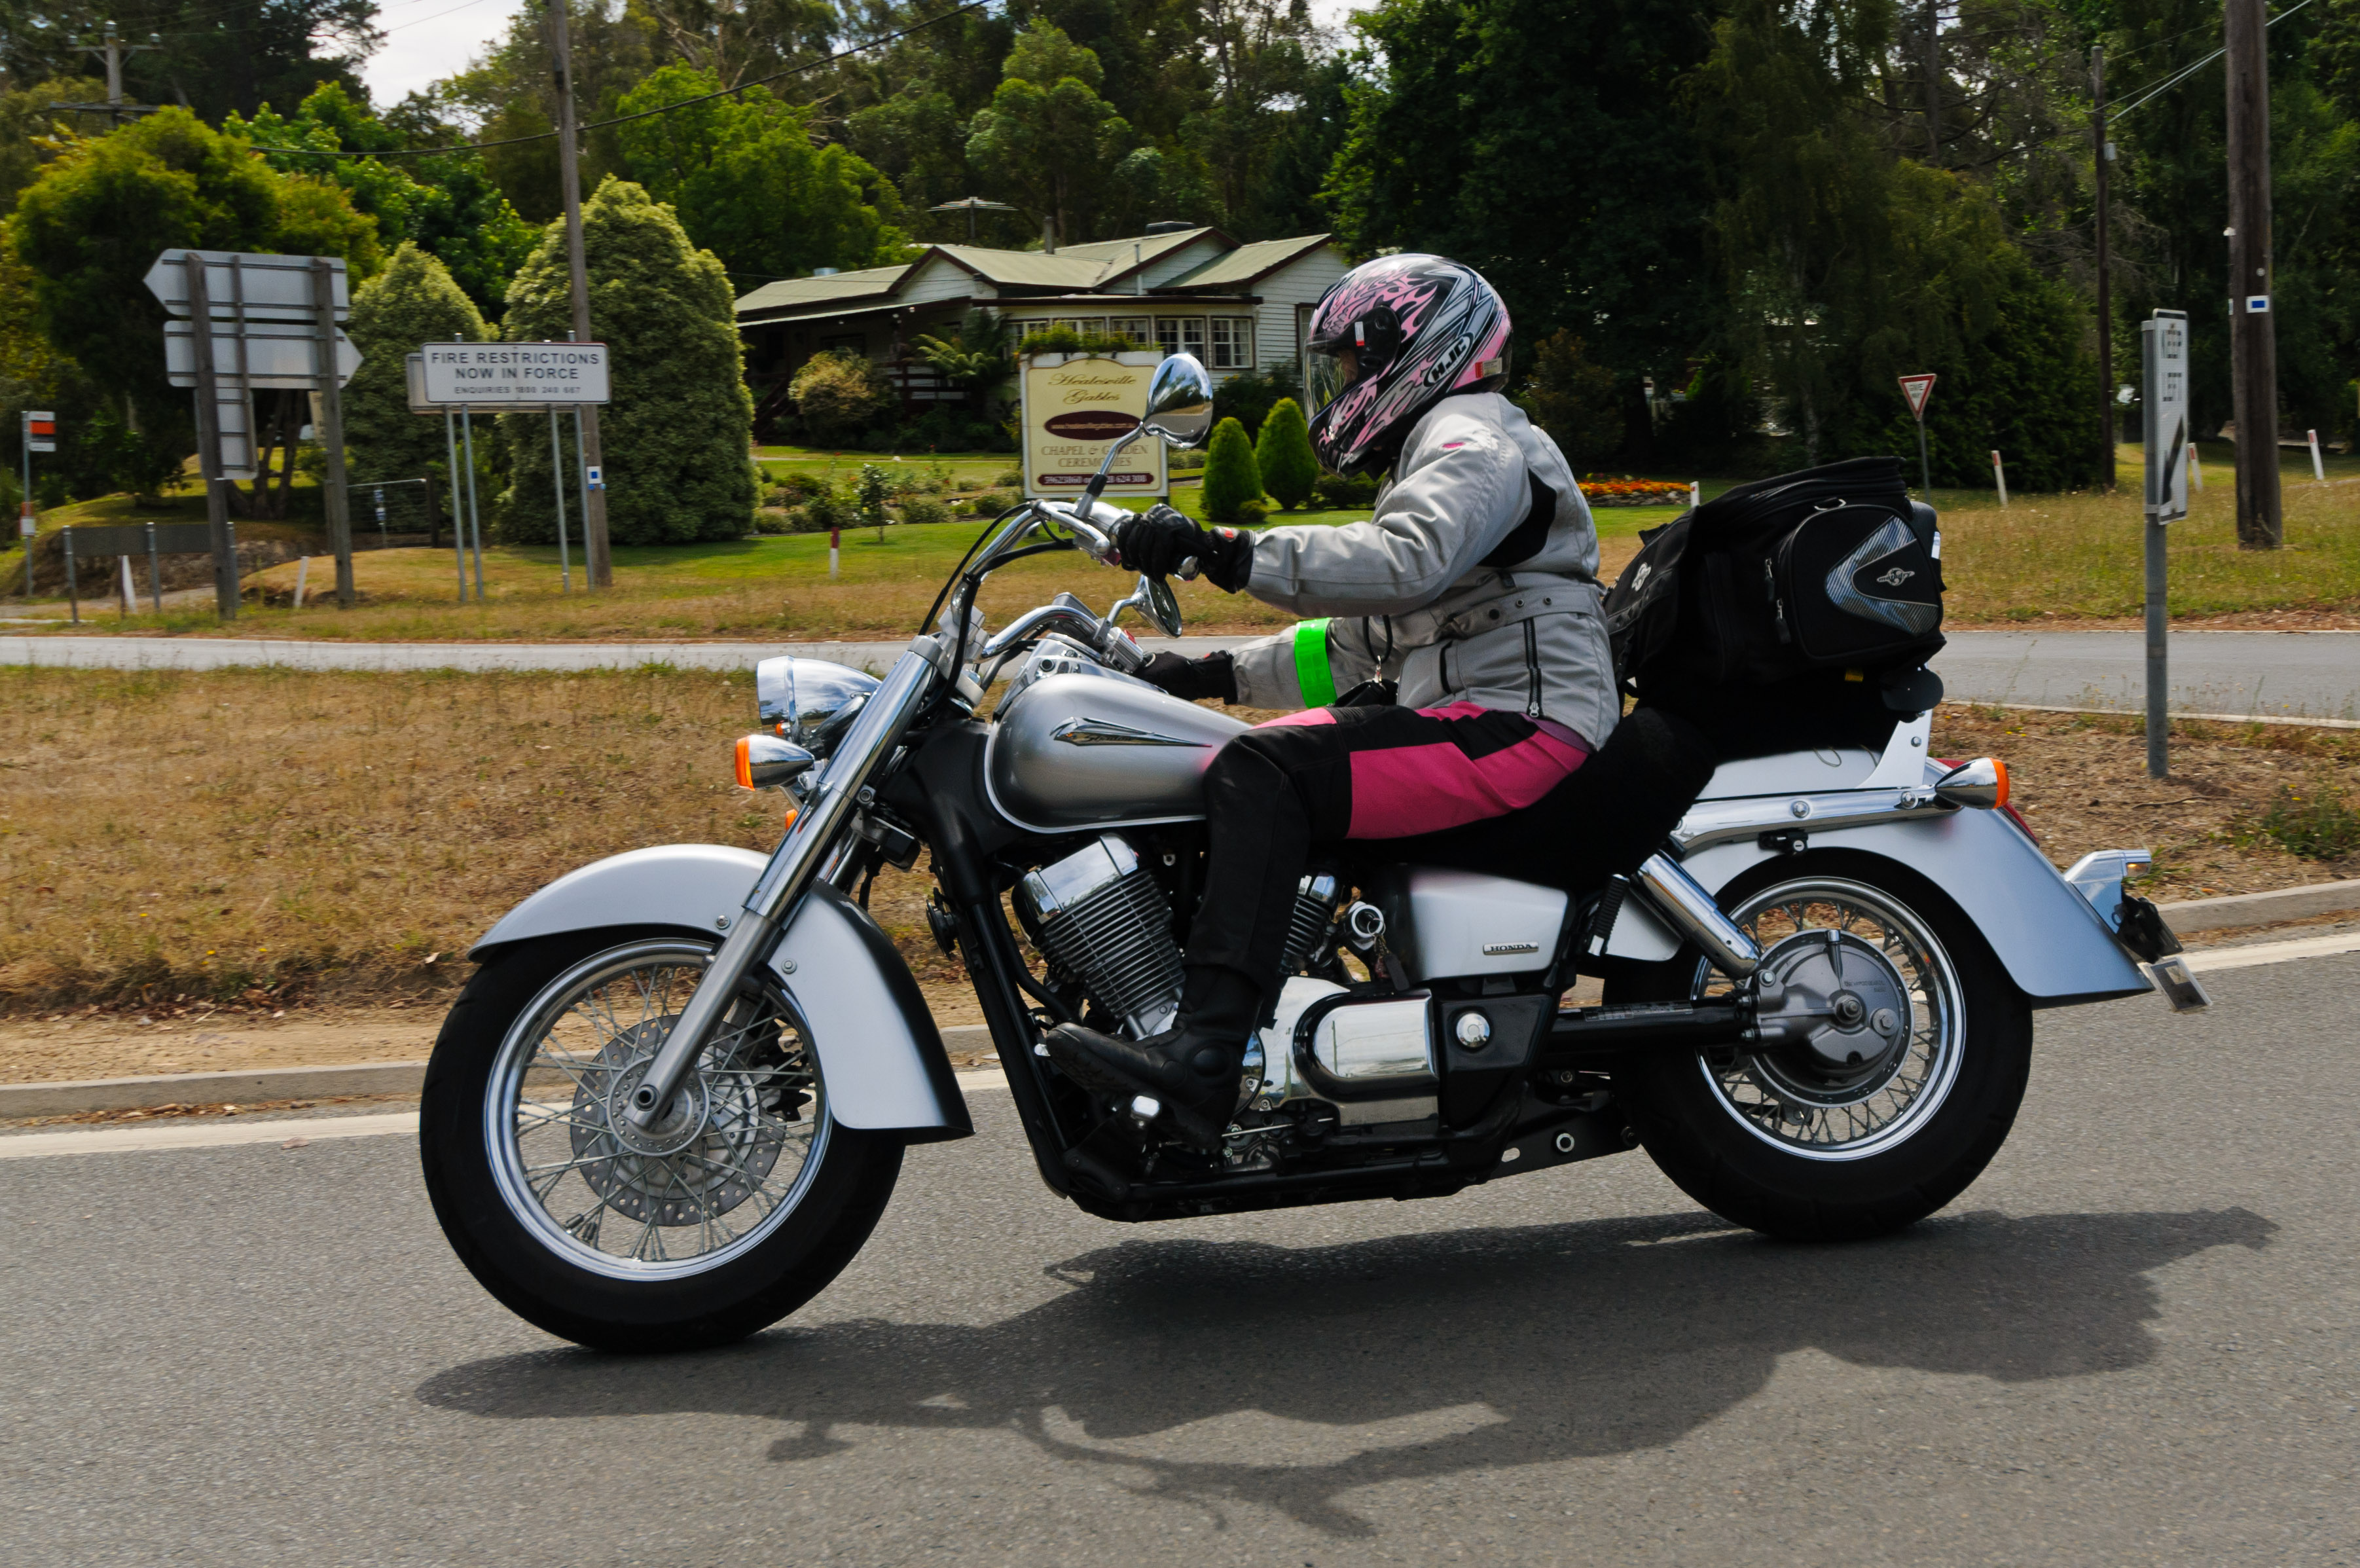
pixel 1786 1142
pixel 694 1238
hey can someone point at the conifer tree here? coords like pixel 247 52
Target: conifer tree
pixel 1231 477
pixel 1283 457
pixel 677 435
pixel 414 302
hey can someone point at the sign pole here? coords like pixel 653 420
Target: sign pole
pixel 458 518
pixel 208 457
pixel 597 561
pixel 2163 371
pixel 331 432
pixel 557 488
pixel 474 506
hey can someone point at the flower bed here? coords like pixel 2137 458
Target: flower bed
pixel 1634 492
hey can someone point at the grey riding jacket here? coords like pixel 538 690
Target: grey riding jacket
pixel 1455 588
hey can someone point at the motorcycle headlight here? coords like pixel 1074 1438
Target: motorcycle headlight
pixel 799 697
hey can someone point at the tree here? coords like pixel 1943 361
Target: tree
pixel 413 301
pixel 213 56
pixel 1573 398
pixel 88 230
pixel 975 358
pixel 1282 456
pixel 448 206
pixel 1048 140
pixel 677 434
pixel 1231 479
pixel 749 184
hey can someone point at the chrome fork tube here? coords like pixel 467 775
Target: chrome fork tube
pixel 1693 912
pixel 789 873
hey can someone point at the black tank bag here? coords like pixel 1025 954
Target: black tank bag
pixel 1831 569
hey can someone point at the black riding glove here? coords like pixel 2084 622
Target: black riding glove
pixel 1159 539
pixel 1215 675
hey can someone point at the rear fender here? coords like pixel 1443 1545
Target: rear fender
pixel 2052 944
pixel 879 1052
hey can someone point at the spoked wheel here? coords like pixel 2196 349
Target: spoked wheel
pixel 1888 1075
pixel 733 1211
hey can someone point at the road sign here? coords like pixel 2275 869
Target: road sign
pixel 514 375
pixel 1917 388
pixel 40 430
pixel 241 285
pixel 2163 363
pixel 271 355
pixel 594 478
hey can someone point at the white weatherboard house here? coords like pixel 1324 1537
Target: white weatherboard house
pixel 1175 288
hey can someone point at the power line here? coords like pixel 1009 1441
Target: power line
pixel 647 114
pixel 2177 77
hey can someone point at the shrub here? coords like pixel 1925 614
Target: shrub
pixel 1185 459
pixel 801 485
pixel 1252 513
pixel 1339 493
pixel 1289 469
pixel 1013 480
pixel 1250 395
pixel 1573 398
pixel 919 511
pixel 1232 479
pixel 991 503
pixel 773 520
pixel 838 393
pixel 828 510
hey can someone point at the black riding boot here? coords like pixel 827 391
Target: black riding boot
pixel 1191 1070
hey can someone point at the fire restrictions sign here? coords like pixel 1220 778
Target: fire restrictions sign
pixel 506 374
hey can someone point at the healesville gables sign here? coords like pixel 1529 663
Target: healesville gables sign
pixel 1073 407
pixel 505 375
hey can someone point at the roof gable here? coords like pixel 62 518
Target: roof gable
pixel 789 292
pixel 1247 263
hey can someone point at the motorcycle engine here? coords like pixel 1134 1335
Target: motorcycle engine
pixel 1104 924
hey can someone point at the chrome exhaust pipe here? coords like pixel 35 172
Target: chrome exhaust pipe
pixel 1682 900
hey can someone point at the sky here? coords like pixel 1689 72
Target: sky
pixel 426 41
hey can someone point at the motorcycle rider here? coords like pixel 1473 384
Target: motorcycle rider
pixel 1474 587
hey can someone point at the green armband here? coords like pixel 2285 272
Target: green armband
pixel 1312 675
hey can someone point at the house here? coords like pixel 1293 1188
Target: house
pixel 1176 288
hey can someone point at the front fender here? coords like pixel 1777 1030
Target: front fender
pixel 879 1052
pixel 2053 944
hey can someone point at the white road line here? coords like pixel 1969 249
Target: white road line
pixel 231 1132
pixel 2205 960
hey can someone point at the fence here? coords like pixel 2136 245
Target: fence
pixel 396 506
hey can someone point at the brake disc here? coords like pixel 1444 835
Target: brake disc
pixel 705 1158
pixel 1849 1011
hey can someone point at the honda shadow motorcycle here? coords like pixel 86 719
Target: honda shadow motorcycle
pixel 673 1101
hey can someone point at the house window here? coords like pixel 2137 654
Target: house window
pixel 1087 327
pixel 1181 335
pixel 1032 327
pixel 1232 343
pixel 1140 330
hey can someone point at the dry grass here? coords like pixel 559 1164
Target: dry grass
pixel 259 837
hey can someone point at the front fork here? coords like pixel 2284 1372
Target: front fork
pixel 779 892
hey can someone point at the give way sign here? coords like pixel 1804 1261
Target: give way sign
pixel 1917 388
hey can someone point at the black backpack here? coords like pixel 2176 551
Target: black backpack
pixel 1833 568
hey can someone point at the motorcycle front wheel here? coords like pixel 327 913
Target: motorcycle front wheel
pixel 738 1208
pixel 1896 1105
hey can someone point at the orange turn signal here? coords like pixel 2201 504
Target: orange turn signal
pixel 789 826
pixel 1982 782
pixel 745 763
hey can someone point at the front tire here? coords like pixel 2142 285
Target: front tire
pixel 709 1228
pixel 1803 1143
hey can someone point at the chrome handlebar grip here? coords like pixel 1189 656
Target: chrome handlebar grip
pixel 789 873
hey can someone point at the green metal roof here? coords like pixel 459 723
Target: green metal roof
pixel 1246 263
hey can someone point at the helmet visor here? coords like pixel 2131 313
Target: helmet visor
pixel 1328 372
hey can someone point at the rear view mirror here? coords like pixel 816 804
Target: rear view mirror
pixel 1180 402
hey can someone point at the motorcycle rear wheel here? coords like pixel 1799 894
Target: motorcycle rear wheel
pixel 1788 1144
pixel 710 1228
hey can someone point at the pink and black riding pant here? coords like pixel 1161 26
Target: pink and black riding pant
pixel 1335 774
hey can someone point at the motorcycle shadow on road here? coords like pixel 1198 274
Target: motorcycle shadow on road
pixel 1227 1372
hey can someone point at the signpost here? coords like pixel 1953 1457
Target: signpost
pixel 248 322
pixel 2163 371
pixel 511 377
pixel 1919 390
pixel 40 435
pixel 1073 409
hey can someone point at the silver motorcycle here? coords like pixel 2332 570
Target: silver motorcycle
pixel 673 1099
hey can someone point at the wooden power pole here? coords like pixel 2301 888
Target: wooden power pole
pixel 2104 165
pixel 1934 83
pixel 599 562
pixel 2253 336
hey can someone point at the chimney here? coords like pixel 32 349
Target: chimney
pixel 1049 235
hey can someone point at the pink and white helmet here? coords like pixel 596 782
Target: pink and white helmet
pixel 1391 339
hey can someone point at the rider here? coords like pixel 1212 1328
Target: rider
pixel 1474 587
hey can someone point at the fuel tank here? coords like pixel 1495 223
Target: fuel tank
pixel 1077 751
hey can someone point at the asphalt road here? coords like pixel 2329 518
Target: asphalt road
pixel 2304 675
pixel 2135 1340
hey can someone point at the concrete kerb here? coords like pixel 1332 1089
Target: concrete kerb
pixel 269 1085
pixel 262 1086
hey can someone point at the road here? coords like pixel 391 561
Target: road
pixel 2305 674
pixel 2135 1340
